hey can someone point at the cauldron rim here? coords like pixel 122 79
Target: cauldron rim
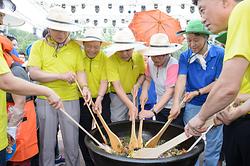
pixel 90 145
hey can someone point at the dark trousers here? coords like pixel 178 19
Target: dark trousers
pixel 86 122
pixel 163 117
pixel 3 157
pixel 236 141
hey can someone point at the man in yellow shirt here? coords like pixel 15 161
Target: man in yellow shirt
pixel 56 62
pixel 95 62
pixel 125 71
pixel 18 86
pixel 233 16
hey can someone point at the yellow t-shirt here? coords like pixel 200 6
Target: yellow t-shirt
pixel 68 58
pixel 238 37
pixel 127 72
pixel 245 87
pixel 3 112
pixel 95 69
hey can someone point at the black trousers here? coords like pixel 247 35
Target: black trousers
pixel 164 113
pixel 86 122
pixel 236 140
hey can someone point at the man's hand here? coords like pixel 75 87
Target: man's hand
pixel 54 100
pixel 69 77
pixel 86 94
pixel 98 105
pixel 175 111
pixel 228 115
pixel 135 89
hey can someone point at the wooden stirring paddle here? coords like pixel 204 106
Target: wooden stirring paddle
pixel 133 143
pixel 88 105
pixel 114 140
pixel 102 146
pixel 154 141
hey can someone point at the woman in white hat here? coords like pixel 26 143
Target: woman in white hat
pixel 95 62
pixel 15 85
pixel 56 62
pixel 125 70
pixel 163 69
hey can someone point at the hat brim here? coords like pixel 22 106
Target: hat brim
pixel 10 19
pixel 122 47
pixel 62 26
pixel 81 40
pixel 155 51
pixel 187 32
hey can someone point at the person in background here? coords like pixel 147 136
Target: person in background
pixel 95 62
pixel 162 68
pixel 15 85
pixel 199 68
pixel 15 45
pixel 56 61
pixel 123 60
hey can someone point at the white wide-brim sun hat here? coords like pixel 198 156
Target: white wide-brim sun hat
pixel 124 40
pixel 159 45
pixel 92 34
pixel 11 19
pixel 59 19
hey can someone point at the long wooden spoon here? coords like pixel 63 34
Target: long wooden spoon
pixel 114 140
pixel 133 139
pixel 88 105
pixel 102 146
pixel 154 141
pixel 140 140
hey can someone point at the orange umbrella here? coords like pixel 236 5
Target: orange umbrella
pixel 147 23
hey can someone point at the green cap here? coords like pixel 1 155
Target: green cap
pixel 222 37
pixel 195 26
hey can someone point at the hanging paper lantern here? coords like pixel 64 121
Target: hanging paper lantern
pixel 114 23
pixel 121 8
pixel 183 6
pixel 73 9
pixel 156 6
pixel 97 8
pixel 143 8
pixel 83 5
pixel 192 9
pixel 168 9
pixel 110 6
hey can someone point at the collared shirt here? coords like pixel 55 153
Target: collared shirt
pixel 3 112
pixel 127 72
pixel 96 71
pixel 69 58
pixel 197 77
pixel 164 77
pixel 238 38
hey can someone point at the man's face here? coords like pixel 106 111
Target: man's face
pixel 58 36
pixel 92 48
pixel 196 42
pixel 126 54
pixel 215 14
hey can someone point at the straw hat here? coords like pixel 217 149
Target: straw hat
pixel 11 18
pixel 59 19
pixel 92 34
pixel 159 45
pixel 123 40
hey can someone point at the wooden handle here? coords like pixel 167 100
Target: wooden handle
pixel 88 105
pixel 85 131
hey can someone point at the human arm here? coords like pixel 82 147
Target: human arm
pixel 101 92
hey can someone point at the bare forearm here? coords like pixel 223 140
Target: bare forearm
pixel 165 98
pixel 41 76
pixel 19 101
pixel 206 89
pixel 146 85
pixel 225 88
pixel 121 93
pixel 244 108
pixel 103 88
pixel 141 79
pixel 19 86
pixel 82 79
pixel 179 88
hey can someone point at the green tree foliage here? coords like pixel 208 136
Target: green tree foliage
pixel 23 38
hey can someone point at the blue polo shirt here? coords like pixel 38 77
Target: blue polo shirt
pixel 197 77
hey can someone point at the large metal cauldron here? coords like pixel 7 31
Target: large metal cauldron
pixel 150 128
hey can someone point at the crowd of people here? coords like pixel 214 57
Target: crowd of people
pixel 204 82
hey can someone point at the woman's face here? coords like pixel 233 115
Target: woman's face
pixel 159 60
pixel 196 42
